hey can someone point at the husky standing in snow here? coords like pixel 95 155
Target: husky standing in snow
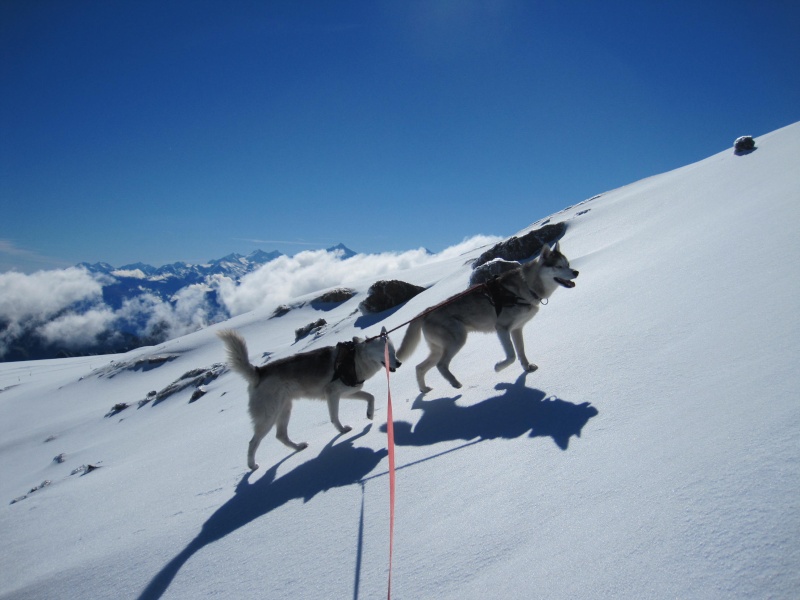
pixel 503 304
pixel 328 373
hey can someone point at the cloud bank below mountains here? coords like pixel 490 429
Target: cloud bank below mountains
pixel 65 308
pixel 291 276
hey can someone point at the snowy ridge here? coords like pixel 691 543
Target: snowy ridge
pixel 654 454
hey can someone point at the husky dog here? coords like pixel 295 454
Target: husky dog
pixel 503 304
pixel 328 373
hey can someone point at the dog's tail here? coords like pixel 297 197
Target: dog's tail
pixel 237 355
pixel 410 340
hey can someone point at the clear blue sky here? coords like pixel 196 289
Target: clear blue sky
pixel 184 130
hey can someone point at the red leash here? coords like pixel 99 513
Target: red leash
pixel 390 444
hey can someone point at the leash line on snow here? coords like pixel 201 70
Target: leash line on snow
pixel 390 446
pixel 390 418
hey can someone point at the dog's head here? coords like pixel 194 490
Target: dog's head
pixel 555 267
pixel 376 347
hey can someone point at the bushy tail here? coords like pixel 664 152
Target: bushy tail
pixel 237 355
pixel 410 340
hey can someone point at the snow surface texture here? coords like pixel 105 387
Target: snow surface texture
pixel 654 454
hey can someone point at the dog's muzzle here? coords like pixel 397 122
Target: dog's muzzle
pixel 567 283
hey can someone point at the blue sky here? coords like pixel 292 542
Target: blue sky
pixel 159 131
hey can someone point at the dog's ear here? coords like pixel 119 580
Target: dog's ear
pixel 383 331
pixel 557 248
pixel 545 252
pixel 357 339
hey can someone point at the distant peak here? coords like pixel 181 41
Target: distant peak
pixel 263 257
pixel 342 250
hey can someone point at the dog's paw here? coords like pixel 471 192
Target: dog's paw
pixel 502 365
pixel 370 413
pixel 302 446
pixel 346 429
pixel 253 467
pixel 531 368
pixel 456 384
pixel 425 389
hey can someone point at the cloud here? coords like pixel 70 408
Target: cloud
pixel 65 307
pixel 151 317
pixel 27 301
pixel 44 293
pixel 75 331
pixel 287 277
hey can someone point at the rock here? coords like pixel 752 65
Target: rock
pixel 522 248
pixel 744 145
pixel 303 331
pixel 492 269
pixel 383 295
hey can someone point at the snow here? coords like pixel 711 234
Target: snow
pixel 654 454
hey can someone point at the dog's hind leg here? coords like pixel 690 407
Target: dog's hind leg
pixel 444 366
pixel 282 429
pixel 505 339
pixel 456 338
pixel 519 345
pixel 426 365
pixel 260 429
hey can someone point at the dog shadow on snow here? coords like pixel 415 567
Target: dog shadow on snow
pixel 338 465
pixel 515 412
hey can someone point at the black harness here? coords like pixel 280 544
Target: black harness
pixel 344 365
pixel 501 297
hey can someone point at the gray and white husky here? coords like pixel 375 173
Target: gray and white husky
pixel 503 304
pixel 328 373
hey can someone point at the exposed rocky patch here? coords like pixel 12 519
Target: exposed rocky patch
pixel 492 269
pixel 33 490
pixel 194 378
pixel 524 247
pixel 306 330
pixel 281 310
pixel 383 295
pixel 332 298
pixel 116 409
pixel 146 363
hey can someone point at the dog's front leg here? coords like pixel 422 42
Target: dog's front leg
pixel 519 345
pixel 333 410
pixel 370 399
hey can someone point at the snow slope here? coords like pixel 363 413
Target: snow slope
pixel 654 454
